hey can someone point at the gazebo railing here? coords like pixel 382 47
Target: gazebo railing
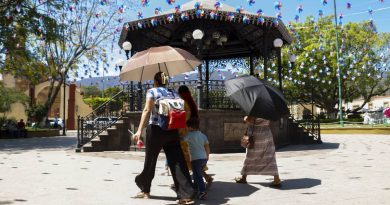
pixel 213 94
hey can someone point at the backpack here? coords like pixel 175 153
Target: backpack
pixel 171 113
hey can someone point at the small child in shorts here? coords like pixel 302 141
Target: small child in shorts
pixel 199 153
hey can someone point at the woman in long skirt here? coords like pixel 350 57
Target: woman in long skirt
pixel 260 160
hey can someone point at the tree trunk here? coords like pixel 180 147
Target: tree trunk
pixel 54 90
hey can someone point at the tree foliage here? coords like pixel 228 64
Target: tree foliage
pixel 364 56
pixel 91 91
pixel 10 96
pixel 37 112
pixel 64 35
pixel 111 91
pixel 112 106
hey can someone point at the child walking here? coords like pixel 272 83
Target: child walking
pixel 199 154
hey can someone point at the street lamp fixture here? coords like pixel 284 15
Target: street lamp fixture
pixel 127 47
pixel 63 72
pixel 278 43
pixel 120 63
pixel 198 35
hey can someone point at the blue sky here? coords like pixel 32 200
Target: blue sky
pixel 357 12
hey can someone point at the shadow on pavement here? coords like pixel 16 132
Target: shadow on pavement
pixel 325 145
pixel 6 202
pixel 24 144
pixel 220 192
pixel 291 184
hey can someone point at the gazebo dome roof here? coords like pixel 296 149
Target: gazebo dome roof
pixel 206 5
pixel 248 34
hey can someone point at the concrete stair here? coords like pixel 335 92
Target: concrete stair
pixel 115 138
pixel 298 135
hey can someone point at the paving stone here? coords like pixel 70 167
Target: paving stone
pixel 310 174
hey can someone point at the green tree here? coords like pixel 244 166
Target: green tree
pixel 37 112
pixel 91 91
pixel 114 105
pixel 78 35
pixel 111 91
pixel 363 63
pixel 10 96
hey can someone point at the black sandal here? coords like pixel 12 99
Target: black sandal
pixel 276 185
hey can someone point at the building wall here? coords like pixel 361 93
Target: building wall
pixel 18 111
pixel 376 103
pixel 297 111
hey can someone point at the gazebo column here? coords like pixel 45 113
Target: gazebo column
pixel 199 86
pixel 251 66
pixel 139 96
pixel 280 75
pixel 207 83
pixel 265 66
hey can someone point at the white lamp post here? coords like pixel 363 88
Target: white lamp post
pixel 278 43
pixel 127 47
pixel 120 63
pixel 198 35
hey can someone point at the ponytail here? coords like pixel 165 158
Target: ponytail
pixel 160 79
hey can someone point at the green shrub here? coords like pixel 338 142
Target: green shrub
pixel 355 119
pixel 354 116
pixel 328 120
pixel 37 112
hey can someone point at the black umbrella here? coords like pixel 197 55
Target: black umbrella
pixel 256 97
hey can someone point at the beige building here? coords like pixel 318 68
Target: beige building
pixel 74 101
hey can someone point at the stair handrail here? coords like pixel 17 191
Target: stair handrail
pixel 314 126
pixel 87 129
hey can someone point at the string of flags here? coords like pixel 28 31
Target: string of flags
pixel 122 13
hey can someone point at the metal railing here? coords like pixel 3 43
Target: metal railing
pixel 132 98
pixel 213 93
pixel 312 126
pixel 100 119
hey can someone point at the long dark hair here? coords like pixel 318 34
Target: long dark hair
pixel 185 94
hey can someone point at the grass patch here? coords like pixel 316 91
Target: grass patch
pixel 323 125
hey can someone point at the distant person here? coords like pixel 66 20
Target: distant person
pixel 199 154
pixel 55 122
pixel 22 131
pixel 261 159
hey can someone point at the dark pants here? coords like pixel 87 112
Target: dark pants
pixel 156 138
pixel 197 167
pixel 22 133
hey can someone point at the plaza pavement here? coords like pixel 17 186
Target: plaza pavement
pixel 346 169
